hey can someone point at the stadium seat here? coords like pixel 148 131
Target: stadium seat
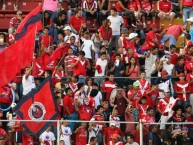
pixel 5 25
pixel 175 22
pixel 9 16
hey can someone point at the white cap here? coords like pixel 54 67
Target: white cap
pixel 132 35
pixel 113 123
pixel 67 28
pixel 190 19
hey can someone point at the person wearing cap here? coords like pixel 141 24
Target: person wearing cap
pixel 68 32
pixel 165 11
pixel 110 131
pixel 3 136
pixel 182 90
pixel 190 22
pixel 134 95
pixel 165 64
pixel 133 37
pixel 15 21
pixel 115 140
pixel 172 34
pixel 164 83
pixel 123 38
pixel 116 22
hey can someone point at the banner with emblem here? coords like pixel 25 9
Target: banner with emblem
pixel 37 105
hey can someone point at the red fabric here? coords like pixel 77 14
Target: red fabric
pixel 6 95
pixel 38 67
pixel 17 56
pixel 81 137
pixel 118 7
pixel 106 34
pixel 151 35
pixel 32 13
pixel 109 131
pixel 80 68
pixel 14 22
pixel 99 69
pixel 133 5
pixel 3 132
pixel 142 110
pixel 175 30
pixel 99 117
pixel 162 103
pixel 85 112
pixel 136 134
pixel 68 102
pixel 188 3
pixel 108 86
pixel 76 22
pixel 189 77
pixel 187 45
pixel 135 98
pixel 179 89
pixel 151 98
pixel 18 123
pixel 47 40
pixel 174 58
pixel 188 66
pixel 59 52
pixel 165 6
pixel 146 6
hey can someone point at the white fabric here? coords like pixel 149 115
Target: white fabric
pixel 28 84
pixel 97 99
pixel 116 24
pixel 103 64
pixel 163 86
pixel 47 136
pixel 134 143
pixel 168 67
pixel 72 34
pixel 66 133
pixel 87 47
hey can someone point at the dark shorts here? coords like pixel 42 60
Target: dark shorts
pixel 18 136
pixel 151 14
pixel 92 16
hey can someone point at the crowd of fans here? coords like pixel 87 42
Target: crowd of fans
pixel 117 70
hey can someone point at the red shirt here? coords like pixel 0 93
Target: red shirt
pixel 76 22
pixel 148 119
pixel 175 30
pixel 188 66
pixel 108 86
pixel 105 33
pixel 174 58
pixel 146 6
pixel 18 123
pixel 3 132
pixel 136 134
pixel 133 5
pixel 151 98
pixel 14 22
pixel 189 77
pixel 46 40
pixel 109 131
pixel 151 35
pixel 27 139
pixel 179 86
pixel 188 3
pixel 81 137
pixel 68 102
pixel 165 6
pixel 80 68
pixel 142 110
pixel 144 86
pixel 118 7
pixel 6 95
pixel 98 117
pixel 135 98
pixel 162 103
pixel 85 112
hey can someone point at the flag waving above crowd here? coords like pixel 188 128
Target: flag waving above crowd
pixel 39 104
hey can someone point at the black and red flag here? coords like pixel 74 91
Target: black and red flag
pixel 38 105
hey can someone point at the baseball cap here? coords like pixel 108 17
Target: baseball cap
pixel 136 84
pixel 153 25
pixel 115 136
pixel 164 72
pixel 19 12
pixel 113 123
pixel 190 19
pixel 67 28
pixel 132 35
pixel 181 75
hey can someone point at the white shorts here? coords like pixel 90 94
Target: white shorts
pixel 163 120
pixel 167 16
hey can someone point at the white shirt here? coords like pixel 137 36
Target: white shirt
pixel 134 143
pixel 72 34
pixel 149 62
pixel 47 136
pixel 87 47
pixel 116 119
pixel 97 99
pixel 168 67
pixel 66 133
pixel 28 84
pixel 116 24
pixel 103 64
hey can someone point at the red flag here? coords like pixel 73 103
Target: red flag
pixel 59 52
pixel 17 56
pixel 39 104
pixel 38 67
pixel 28 18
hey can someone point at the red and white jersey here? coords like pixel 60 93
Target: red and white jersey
pixel 73 86
pixel 135 98
pixel 11 38
pixel 108 86
pixel 144 85
pixel 98 117
pixel 3 132
pixel 14 22
pixel 182 87
pixel 146 6
pixel 142 110
pixel 189 77
pixel 116 119
pixel 148 119
pixel 113 143
pixel 133 5
pixel 89 6
pixel 80 68
pixel 6 95
pixel 47 137
pixel 59 75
